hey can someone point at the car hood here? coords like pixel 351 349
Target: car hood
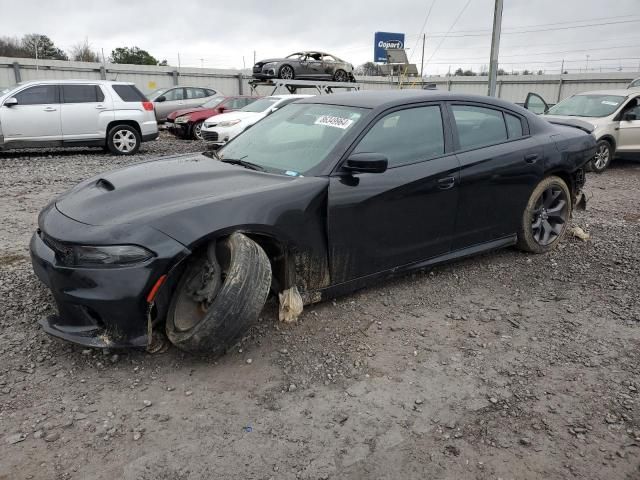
pixel 140 193
pixel 237 116
pixel 186 111
pixel 268 60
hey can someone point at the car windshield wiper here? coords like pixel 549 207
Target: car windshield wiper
pixel 243 163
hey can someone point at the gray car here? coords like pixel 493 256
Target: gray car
pixel 167 100
pixel 614 115
pixel 308 65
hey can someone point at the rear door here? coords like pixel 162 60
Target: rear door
pixel 378 221
pixel 629 130
pixel 500 165
pixel 194 97
pixel 84 112
pixel 36 117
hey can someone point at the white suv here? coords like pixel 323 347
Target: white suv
pixel 55 113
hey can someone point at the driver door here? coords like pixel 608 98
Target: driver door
pixel 379 221
pixel 36 117
pixel 536 104
pixel 629 130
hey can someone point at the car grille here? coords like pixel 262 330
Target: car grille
pixel 210 136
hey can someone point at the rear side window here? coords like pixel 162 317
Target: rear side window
pixel 38 95
pixel 478 126
pixel 195 93
pixel 514 125
pixel 406 136
pixel 82 94
pixel 210 93
pixel 129 93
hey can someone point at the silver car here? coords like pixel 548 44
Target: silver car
pixel 614 115
pixel 168 100
pixel 58 113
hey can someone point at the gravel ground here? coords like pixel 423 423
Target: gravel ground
pixel 505 365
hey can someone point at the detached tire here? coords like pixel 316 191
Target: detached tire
pixel 546 216
pixel 123 140
pixel 235 291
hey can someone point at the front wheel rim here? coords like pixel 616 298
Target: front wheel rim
pixel 550 215
pixel 197 131
pixel 286 73
pixel 340 76
pixel 602 157
pixel 124 141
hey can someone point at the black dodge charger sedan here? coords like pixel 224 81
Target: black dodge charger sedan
pixel 326 195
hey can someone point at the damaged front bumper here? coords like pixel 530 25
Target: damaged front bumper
pixel 100 307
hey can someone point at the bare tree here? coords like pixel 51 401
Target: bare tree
pixel 82 52
pixel 11 47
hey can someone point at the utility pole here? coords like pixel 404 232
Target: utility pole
pixel 562 67
pixel 254 57
pixel 587 67
pixel 495 47
pixel 103 62
pixel 424 40
pixel 37 42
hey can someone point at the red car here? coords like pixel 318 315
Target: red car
pixel 187 123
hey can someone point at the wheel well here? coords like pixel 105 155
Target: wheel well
pixel 611 141
pixel 131 123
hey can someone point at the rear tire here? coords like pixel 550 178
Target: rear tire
pixel 602 159
pixel 235 289
pixel 546 217
pixel 123 140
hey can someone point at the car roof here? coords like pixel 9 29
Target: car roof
pixel 622 92
pixel 72 81
pixel 389 98
pixel 289 96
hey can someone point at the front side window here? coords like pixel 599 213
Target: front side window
pixel 587 106
pixel 478 126
pixel 38 95
pixel 295 139
pixel 82 94
pixel 406 136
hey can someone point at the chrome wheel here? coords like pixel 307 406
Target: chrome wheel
pixel 197 131
pixel 124 141
pixel 286 72
pixel 550 215
pixel 340 76
pixel 601 159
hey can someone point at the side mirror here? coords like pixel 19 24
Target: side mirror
pixel 366 163
pixel 161 98
pixel 222 108
pixel 627 116
pixel 10 102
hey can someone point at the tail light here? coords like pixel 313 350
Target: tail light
pixel 147 106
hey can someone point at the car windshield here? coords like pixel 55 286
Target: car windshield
pixel 587 106
pixel 295 139
pixel 260 105
pixel 213 103
pixel 296 55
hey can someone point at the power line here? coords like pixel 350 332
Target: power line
pixel 424 24
pixel 450 28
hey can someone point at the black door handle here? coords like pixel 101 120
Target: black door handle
pixel 446 183
pixel 531 158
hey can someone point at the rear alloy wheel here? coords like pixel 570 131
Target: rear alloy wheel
pixel 286 72
pixel 546 216
pixel 220 294
pixel 340 76
pixel 196 130
pixel 123 140
pixel 602 158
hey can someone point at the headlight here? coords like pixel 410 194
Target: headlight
pixel 229 123
pixel 183 119
pixel 104 255
pixel 209 125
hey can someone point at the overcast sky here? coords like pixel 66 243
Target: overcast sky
pixel 219 33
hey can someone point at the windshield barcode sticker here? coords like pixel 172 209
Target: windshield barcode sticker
pixel 331 121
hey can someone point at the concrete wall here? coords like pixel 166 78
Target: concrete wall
pixel 149 77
